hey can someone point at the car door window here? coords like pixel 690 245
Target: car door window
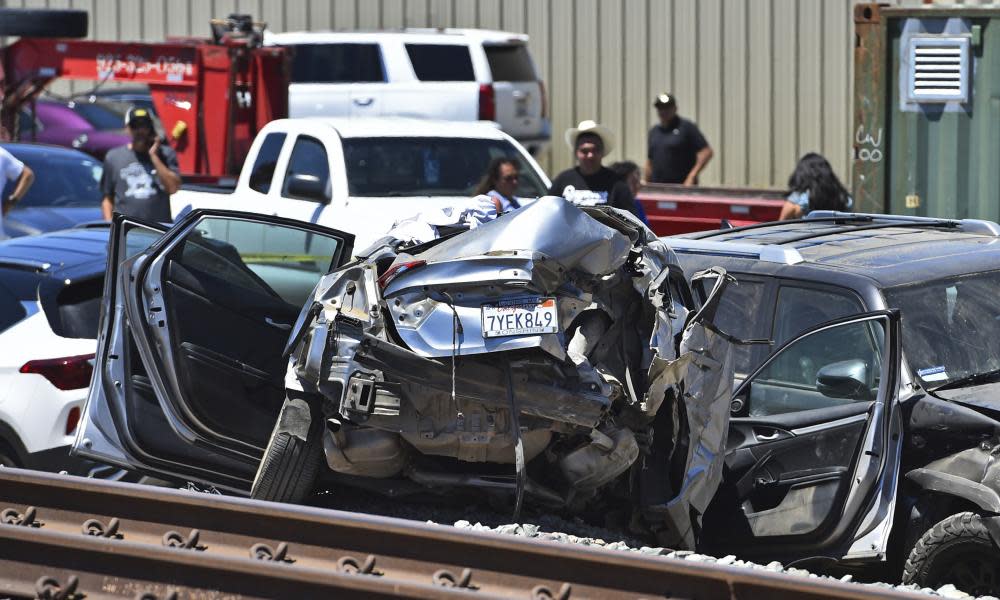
pixel 266 161
pixel 268 259
pixel 308 159
pixel 231 290
pixel 830 367
pixel 800 307
pixel 337 63
pixel 441 62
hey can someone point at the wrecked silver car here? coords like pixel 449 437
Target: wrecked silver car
pixel 527 355
pixel 529 358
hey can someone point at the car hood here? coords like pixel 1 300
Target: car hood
pixel 983 398
pixel 32 220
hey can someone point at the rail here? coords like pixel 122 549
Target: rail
pixel 66 537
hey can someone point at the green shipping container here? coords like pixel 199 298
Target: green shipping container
pixel 926 135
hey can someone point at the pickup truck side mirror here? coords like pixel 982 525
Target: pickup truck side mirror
pixel 306 187
pixel 844 379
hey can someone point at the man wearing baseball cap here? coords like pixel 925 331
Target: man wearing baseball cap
pixel 590 182
pixel 140 176
pixel 678 151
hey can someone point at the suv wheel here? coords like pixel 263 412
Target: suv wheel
pixel 958 550
pixel 293 455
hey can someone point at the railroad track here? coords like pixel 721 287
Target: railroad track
pixel 65 537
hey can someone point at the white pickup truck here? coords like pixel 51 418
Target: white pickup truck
pixel 363 175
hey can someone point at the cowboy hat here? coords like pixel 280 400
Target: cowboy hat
pixel 588 126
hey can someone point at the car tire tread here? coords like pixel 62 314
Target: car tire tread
pixel 938 542
pixel 289 467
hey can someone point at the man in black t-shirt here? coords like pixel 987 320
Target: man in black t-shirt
pixel 678 151
pixel 140 177
pixel 589 182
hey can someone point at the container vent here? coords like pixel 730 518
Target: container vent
pixel 939 69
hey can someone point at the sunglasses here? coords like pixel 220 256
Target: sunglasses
pixel 509 177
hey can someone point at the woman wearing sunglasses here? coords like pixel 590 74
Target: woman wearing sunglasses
pixel 500 184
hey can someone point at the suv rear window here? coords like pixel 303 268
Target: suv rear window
pixel 510 62
pixel 337 63
pixel 437 62
pixel 79 307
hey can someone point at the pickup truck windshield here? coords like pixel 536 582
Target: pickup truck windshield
pixel 951 327
pixel 428 166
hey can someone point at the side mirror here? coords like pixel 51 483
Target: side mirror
pixel 307 187
pixel 844 379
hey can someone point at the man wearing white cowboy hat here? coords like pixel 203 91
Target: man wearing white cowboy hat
pixel 590 182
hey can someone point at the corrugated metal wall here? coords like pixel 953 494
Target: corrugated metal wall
pixel 766 80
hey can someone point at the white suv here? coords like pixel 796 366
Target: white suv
pixel 449 74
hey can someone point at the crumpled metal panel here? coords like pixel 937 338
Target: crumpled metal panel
pixel 702 377
pixel 622 364
pixel 550 226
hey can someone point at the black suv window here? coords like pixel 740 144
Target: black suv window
pixel 437 62
pixel 741 315
pixel 510 62
pixel 267 160
pixel 337 63
pixel 308 158
pixel 800 308
pixel 11 310
pixel 951 327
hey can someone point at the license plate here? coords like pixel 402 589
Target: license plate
pixel 521 316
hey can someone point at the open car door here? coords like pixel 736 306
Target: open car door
pixel 808 458
pixel 190 373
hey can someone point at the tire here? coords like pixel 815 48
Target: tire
pixel 34 22
pixel 958 550
pixel 292 459
pixel 7 461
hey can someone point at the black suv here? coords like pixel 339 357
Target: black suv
pixel 842 431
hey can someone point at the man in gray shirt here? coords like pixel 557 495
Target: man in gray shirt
pixel 140 177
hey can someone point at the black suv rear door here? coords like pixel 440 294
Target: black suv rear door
pixel 808 440
pixel 192 339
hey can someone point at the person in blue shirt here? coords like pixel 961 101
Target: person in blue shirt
pixel 814 186
pixel 500 184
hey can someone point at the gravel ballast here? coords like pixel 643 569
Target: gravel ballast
pixel 570 531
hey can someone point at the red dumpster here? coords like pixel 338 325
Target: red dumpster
pixel 673 209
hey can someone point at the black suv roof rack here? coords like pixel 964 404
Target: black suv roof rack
pixel 876 221
pixel 780 250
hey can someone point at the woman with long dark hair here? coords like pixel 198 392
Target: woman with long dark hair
pixel 500 183
pixel 814 186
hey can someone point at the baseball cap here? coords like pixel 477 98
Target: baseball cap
pixel 664 99
pixel 137 116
